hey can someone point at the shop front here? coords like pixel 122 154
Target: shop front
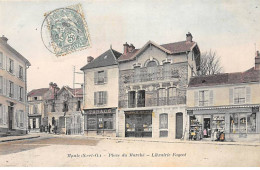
pixel 138 123
pixel 235 123
pixel 35 123
pixel 100 122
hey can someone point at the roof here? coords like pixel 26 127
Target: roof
pixel 108 58
pixel 77 92
pixel 12 50
pixel 37 92
pixel 171 48
pixel 248 76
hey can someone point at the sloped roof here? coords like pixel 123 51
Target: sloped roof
pixel 172 48
pixel 37 92
pixel 77 92
pixel 108 58
pixel 248 76
pixel 12 50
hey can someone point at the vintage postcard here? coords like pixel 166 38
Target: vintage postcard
pixel 129 83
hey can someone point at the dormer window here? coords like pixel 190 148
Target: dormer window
pixel 100 77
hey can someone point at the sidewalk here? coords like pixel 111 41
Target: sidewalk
pixel 14 138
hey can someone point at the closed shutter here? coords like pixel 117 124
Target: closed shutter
pixel 7 88
pixel 4 62
pixel 211 98
pixel 1 85
pixel 95 98
pixel 96 77
pixel 248 95
pixel 105 76
pixel 4 86
pixel 15 91
pixel 16 69
pixel 231 98
pixel 196 98
pixel 104 97
pixel 1 114
pixel 17 118
pixel 7 63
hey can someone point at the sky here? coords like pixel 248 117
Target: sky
pixel 231 28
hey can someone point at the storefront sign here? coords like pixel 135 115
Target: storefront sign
pixel 100 111
pixel 139 112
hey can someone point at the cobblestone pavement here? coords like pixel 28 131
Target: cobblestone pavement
pixel 82 151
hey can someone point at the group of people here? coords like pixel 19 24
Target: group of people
pixel 47 129
pixel 216 135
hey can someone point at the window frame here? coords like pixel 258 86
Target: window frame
pixel 238 99
pixel 205 100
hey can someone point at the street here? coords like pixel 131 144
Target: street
pixel 83 151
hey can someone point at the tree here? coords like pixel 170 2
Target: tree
pixel 210 63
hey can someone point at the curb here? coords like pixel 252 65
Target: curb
pixel 9 140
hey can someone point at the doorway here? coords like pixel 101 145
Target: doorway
pixel 179 125
pixel 10 117
pixel 206 130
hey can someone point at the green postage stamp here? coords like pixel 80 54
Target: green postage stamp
pixel 68 31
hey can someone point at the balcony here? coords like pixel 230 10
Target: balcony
pixel 151 102
pixel 144 76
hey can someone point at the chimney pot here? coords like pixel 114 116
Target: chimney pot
pixel 131 48
pixel 126 46
pixel 89 59
pixel 257 61
pixel 189 37
pixel 3 38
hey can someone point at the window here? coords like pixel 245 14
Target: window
pixel 21 118
pixel 243 123
pixel 11 66
pixel 141 98
pixel 20 93
pixel 204 98
pixel 108 121
pixel 1 60
pixel 100 98
pixel 35 98
pixel 20 72
pixel 91 122
pixel 100 77
pixel 164 121
pixel 1 85
pixel 11 89
pixel 137 74
pixel 162 97
pixel 131 99
pixel 78 105
pixel 35 109
pixel 167 70
pixel 65 107
pixel 152 70
pixel 172 96
pixel 239 95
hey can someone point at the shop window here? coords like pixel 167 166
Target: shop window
pixel 34 123
pixel 100 98
pixel 239 95
pixel 91 122
pixel 162 97
pixel 218 122
pixel 108 121
pixel 251 123
pixel 163 121
pixel 131 99
pixel 100 77
pixel 234 123
pixel 141 98
pixel 204 98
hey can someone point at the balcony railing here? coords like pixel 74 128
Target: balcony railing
pixel 144 75
pixel 163 101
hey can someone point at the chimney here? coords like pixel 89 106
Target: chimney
pixel 189 37
pixel 3 38
pixel 257 61
pixel 126 46
pixel 131 48
pixel 89 59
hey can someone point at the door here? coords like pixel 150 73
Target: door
pixel 100 124
pixel 179 125
pixel 206 130
pixel 10 117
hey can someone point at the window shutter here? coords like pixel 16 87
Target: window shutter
pixel 211 97
pixel 17 118
pixel 7 88
pixel 95 77
pixel 196 98
pixel 231 98
pixel 1 85
pixel 1 113
pixel 105 76
pixel 7 63
pixel 104 97
pixel 248 94
pixel 16 69
pixel 15 91
pixel 4 114
pixel 95 98
pixel 4 86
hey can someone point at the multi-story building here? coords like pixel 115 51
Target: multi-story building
pixel 36 110
pixel 63 109
pixel 13 86
pixel 101 94
pixel 152 88
pixel 228 103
